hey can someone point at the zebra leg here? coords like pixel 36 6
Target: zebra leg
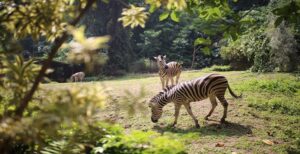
pixel 177 110
pixel 213 102
pixel 225 105
pixel 162 82
pixel 167 81
pixel 172 81
pixel 177 77
pixel 189 110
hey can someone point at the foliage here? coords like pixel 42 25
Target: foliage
pixel 19 74
pixel 143 66
pixel 134 16
pixel 40 19
pixel 283 52
pixel 86 50
pixel 221 68
pixel 289 12
pixel 141 142
pixel 265 47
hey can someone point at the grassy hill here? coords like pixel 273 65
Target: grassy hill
pixel 265 120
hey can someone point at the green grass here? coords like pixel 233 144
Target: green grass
pixel 269 110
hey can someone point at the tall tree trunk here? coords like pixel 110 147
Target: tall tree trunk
pixel 194 56
pixel 120 51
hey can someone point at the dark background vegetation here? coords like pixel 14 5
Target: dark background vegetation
pixel 131 50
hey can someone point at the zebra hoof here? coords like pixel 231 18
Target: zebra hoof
pixel 206 118
pixel 223 121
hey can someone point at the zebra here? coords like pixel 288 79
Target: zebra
pixel 211 86
pixel 79 76
pixel 167 71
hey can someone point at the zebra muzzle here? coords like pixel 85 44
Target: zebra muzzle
pixel 153 120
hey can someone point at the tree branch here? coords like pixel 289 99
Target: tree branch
pixel 57 44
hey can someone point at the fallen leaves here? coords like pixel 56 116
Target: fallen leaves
pixel 269 142
pixel 220 144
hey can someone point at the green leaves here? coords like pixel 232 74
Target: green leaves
pixel 85 50
pixel 164 16
pixel 206 51
pixel 174 16
pixel 134 16
pixel 202 41
pixel 38 18
pixel 206 42
pixel 289 12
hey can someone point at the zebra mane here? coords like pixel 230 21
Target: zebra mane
pixel 168 88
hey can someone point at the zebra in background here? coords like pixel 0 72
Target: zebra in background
pixel 167 71
pixel 212 86
pixel 79 76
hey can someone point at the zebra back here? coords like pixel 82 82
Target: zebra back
pixel 194 90
pixel 171 69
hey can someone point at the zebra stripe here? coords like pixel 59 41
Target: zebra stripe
pixel 211 86
pixel 167 70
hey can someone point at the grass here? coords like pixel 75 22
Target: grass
pixel 269 110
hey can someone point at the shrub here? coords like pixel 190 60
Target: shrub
pixel 221 68
pixel 143 66
pixel 141 142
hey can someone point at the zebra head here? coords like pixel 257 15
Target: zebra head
pixel 161 61
pixel 156 107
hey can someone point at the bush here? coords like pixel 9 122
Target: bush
pixel 144 66
pixel 141 142
pixel 221 68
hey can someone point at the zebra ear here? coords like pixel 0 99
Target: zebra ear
pixel 155 58
pixel 165 56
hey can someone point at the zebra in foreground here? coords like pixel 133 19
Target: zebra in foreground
pixel 212 86
pixel 167 71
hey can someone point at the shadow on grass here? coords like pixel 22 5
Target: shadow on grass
pixel 214 129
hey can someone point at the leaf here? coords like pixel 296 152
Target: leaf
pixel 174 16
pixel 152 8
pixel 220 144
pixel 269 142
pixel 202 41
pixel 105 1
pixel 71 2
pixel 164 16
pixel 278 21
pixel 206 51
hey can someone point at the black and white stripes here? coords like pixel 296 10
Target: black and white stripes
pixel 167 70
pixel 211 86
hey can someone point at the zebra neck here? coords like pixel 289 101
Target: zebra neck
pixel 162 71
pixel 164 100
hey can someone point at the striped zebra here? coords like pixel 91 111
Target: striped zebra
pixel 167 71
pixel 211 86
pixel 77 77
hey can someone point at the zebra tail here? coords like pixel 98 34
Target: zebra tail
pixel 233 94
